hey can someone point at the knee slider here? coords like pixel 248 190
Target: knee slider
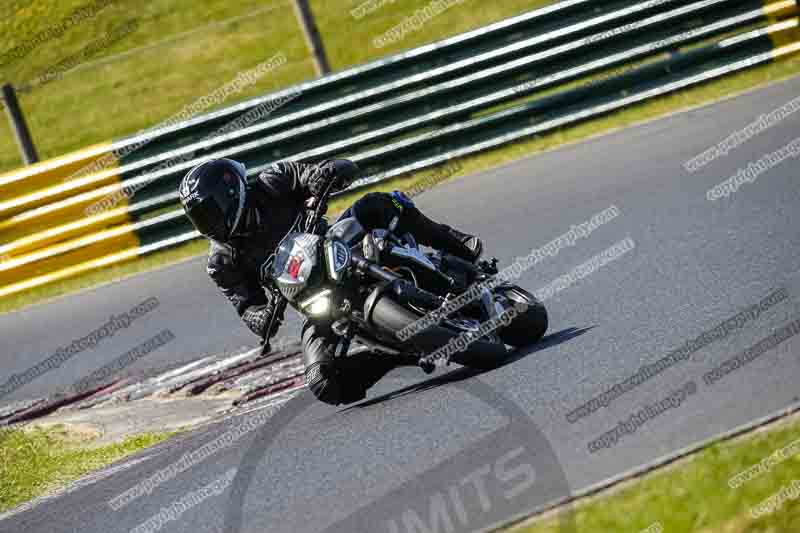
pixel 321 378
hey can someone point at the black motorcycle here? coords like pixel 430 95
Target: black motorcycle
pixel 381 291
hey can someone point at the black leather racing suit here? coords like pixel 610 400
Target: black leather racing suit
pixel 272 205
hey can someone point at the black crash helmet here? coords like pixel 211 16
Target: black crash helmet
pixel 213 196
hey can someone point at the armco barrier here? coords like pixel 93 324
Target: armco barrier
pixel 307 111
pixel 388 117
pixel 46 173
pixel 327 88
pixel 414 125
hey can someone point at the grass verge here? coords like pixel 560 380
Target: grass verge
pixel 35 462
pixel 696 494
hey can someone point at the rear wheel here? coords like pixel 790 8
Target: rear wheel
pixel 527 327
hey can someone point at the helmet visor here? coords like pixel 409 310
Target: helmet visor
pixel 209 219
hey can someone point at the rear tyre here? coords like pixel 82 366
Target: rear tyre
pixel 527 327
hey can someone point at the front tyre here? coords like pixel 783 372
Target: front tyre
pixel 528 327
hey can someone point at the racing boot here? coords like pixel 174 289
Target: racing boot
pixel 447 239
pixel 426 231
pixel 472 243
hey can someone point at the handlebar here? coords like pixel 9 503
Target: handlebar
pixel 321 207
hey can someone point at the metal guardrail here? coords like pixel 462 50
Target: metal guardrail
pixel 328 88
pixel 316 103
pixel 386 115
pixel 418 121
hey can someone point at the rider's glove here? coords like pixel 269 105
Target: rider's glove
pixel 258 318
pixel 340 171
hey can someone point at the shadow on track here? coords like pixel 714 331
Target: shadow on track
pixel 465 373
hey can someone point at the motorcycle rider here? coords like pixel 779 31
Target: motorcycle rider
pixel 245 223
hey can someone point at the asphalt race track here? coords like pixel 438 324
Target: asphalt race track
pixel 461 452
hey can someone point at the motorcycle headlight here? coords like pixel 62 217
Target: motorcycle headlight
pixel 319 304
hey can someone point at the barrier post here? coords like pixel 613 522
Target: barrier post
pixel 313 38
pixel 18 124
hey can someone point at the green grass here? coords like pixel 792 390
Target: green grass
pixel 35 462
pixel 693 494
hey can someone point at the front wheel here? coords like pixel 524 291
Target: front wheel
pixel 527 327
